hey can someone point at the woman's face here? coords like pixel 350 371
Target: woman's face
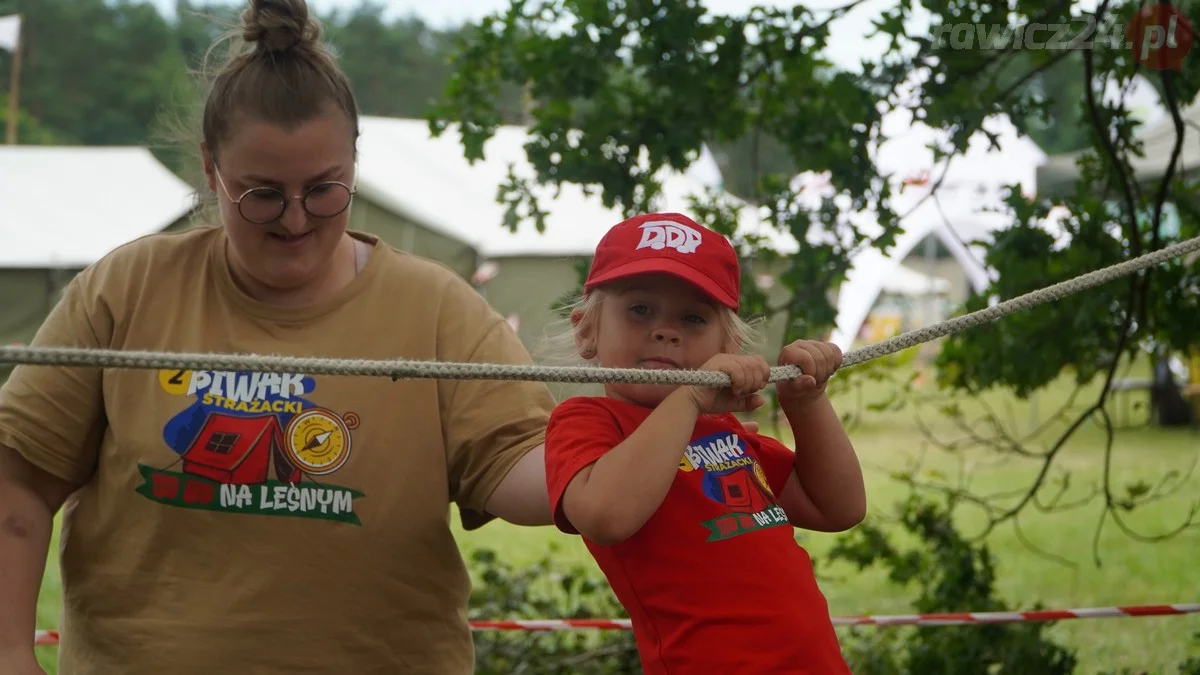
pixel 292 253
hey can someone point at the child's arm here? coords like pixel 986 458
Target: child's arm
pixel 609 500
pixel 825 492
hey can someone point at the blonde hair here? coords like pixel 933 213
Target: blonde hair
pixel 559 347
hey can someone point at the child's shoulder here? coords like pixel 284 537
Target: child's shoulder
pixel 590 405
pixel 579 409
pixel 730 423
pixel 725 422
pixel 589 417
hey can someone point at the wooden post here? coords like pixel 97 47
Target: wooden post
pixel 14 91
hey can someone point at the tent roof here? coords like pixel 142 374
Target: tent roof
pixel 979 169
pixel 907 281
pixel 965 208
pixel 1059 173
pixel 70 206
pixel 404 169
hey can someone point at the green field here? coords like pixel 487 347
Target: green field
pixel 1132 572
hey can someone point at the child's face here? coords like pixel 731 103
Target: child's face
pixel 656 321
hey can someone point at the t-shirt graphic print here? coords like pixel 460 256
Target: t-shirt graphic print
pixel 732 477
pixel 253 443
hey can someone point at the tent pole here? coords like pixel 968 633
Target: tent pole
pixel 931 243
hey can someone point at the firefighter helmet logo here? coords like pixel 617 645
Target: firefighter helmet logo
pixel 318 441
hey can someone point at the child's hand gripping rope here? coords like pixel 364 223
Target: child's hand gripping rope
pixel 749 374
pixel 818 361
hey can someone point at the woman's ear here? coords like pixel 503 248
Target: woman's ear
pixel 209 166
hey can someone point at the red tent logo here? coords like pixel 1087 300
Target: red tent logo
pixel 239 450
pixel 1160 37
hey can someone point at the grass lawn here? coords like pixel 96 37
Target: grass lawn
pixel 1131 573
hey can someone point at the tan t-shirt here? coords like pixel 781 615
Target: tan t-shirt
pixel 250 523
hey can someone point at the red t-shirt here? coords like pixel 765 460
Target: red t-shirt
pixel 714 582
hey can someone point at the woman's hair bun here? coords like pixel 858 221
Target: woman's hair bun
pixel 278 25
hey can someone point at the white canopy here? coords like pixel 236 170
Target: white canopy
pixel 70 206
pixel 909 282
pixel 964 209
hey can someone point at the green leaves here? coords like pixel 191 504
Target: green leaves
pixel 617 93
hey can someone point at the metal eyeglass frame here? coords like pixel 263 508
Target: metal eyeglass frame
pixel 284 198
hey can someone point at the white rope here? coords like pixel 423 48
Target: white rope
pixel 406 369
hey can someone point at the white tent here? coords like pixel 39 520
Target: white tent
pixel 907 281
pixel 1158 142
pixel 429 180
pixel 66 207
pixel 964 209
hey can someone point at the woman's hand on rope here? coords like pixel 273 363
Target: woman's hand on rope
pixel 749 374
pixel 818 361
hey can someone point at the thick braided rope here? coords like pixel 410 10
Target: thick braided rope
pixel 1021 302
pixel 405 369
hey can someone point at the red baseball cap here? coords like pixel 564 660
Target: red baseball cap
pixel 668 243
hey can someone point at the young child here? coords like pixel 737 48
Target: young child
pixel 688 515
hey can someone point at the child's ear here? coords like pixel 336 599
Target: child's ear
pixel 584 339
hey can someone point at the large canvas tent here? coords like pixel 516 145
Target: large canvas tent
pixel 62 209
pixel 429 181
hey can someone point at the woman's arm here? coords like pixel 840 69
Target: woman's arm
pixel 29 498
pixel 521 497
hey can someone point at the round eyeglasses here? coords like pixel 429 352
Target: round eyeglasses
pixel 262 205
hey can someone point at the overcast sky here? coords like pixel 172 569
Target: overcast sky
pixel 847 44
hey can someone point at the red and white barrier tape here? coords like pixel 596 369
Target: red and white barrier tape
pixel 50 637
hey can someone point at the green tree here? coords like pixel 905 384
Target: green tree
pixel 619 91
pixel 93 72
pixel 398 68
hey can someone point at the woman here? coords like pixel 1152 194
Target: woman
pixel 247 522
